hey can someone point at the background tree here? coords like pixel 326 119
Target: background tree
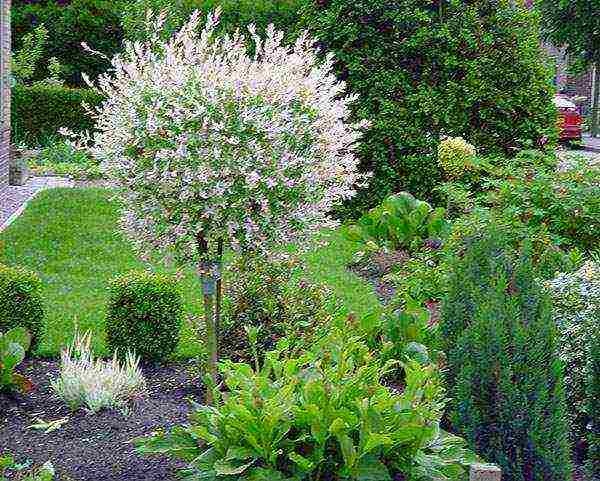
pixel 215 149
pixel 575 24
pixel 423 69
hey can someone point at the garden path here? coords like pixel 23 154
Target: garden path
pixel 14 198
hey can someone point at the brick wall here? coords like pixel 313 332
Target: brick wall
pixel 4 90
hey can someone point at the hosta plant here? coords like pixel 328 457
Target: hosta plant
pixel 93 383
pixel 212 148
pixel 322 416
pixel 13 347
pixel 400 222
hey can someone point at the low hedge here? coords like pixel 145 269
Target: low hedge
pixel 40 110
pixel 145 313
pixel 21 302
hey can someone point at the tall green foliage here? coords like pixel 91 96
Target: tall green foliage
pixel 234 14
pixel 423 69
pixel 504 375
pixel 96 22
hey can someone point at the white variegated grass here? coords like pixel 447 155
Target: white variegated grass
pixel 93 383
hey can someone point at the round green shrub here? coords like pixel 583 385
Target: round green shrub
pixel 21 301
pixel 423 70
pixel 455 156
pixel 145 313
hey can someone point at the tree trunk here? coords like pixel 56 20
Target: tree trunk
pixel 210 278
pixel 595 127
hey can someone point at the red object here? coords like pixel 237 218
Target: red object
pixel 569 120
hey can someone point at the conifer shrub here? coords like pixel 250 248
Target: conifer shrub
pixel 504 375
pixel 426 69
pixel 145 313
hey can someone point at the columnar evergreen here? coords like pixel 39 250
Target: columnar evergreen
pixel 505 380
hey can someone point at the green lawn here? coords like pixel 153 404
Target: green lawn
pixel 71 239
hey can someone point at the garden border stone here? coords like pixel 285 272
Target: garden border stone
pixel 485 472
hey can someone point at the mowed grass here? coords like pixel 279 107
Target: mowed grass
pixel 70 237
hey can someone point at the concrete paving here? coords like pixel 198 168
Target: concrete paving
pixel 591 144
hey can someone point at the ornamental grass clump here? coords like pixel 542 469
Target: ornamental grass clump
pixel 93 383
pixel 213 148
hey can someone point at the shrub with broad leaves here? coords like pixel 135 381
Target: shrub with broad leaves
pixel 14 344
pixel 576 310
pixel 325 415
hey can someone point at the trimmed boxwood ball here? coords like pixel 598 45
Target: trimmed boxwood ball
pixel 21 301
pixel 145 313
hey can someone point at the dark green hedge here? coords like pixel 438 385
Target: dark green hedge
pixel 234 14
pixel 21 301
pixel 425 68
pixel 40 110
pixel 70 22
pixel 145 313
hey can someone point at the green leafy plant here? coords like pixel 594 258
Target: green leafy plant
pixel 95 22
pixel 322 416
pixel 566 202
pixel 145 312
pixel 25 60
pixel 61 158
pixel 271 295
pixel 399 222
pixel 402 332
pixel 21 472
pixel 503 371
pixel 21 303
pixel 14 344
pixel 34 107
pixel 593 402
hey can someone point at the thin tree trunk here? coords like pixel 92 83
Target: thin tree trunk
pixel 219 294
pixel 211 336
pixel 595 128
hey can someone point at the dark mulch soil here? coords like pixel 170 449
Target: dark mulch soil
pixel 376 266
pixel 95 447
